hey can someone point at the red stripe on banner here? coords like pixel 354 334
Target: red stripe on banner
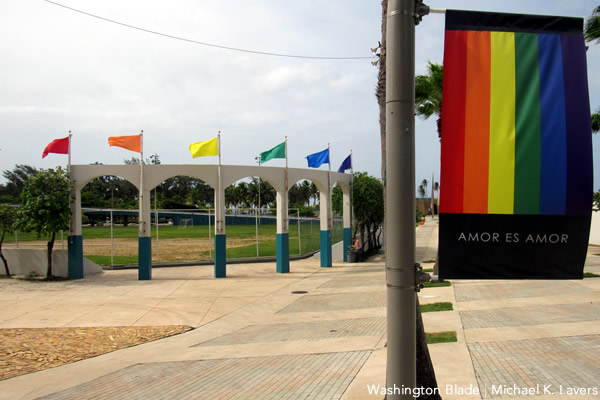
pixel 453 122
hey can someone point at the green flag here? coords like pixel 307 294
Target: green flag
pixel 276 152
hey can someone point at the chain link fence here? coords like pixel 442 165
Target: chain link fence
pixel 110 236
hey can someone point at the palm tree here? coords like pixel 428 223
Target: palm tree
pixel 422 191
pixel 591 32
pixel 428 94
pixel 306 192
pixel 424 183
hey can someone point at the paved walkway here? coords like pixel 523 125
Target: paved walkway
pixel 313 333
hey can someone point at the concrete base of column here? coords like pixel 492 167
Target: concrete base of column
pixel 220 256
pixel 347 242
pixel 144 258
pixel 326 256
pixel 75 249
pixel 283 252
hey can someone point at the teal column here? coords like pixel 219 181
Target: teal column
pixel 347 242
pixel 75 256
pixel 326 259
pixel 144 258
pixel 282 244
pixel 220 256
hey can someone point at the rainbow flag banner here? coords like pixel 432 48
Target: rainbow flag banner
pixel 516 171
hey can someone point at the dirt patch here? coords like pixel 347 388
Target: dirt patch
pixel 26 350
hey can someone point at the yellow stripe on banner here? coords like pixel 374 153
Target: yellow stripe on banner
pixel 502 124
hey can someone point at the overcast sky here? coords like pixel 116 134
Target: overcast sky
pixel 61 70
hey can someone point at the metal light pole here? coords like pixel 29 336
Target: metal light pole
pixel 400 192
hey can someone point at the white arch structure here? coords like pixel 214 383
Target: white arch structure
pixel 147 177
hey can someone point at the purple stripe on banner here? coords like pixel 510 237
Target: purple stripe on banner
pixel 553 177
pixel 579 127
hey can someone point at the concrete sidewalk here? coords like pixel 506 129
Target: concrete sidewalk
pixel 314 333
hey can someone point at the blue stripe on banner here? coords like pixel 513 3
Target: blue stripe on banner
pixel 553 179
pixel 579 129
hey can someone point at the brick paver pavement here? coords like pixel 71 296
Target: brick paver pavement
pixel 314 376
pixel 543 365
pixel 533 315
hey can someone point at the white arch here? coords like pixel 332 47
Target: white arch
pixel 233 173
pixel 83 174
pixel 155 174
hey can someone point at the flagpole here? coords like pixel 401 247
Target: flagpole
pixel 141 216
pixel 219 181
pixel 351 186
pixel 286 166
pixel 330 211
pixel 219 141
pixel 69 162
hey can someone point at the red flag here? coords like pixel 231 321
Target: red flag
pixel 59 146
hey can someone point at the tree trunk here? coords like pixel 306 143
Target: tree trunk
pixel 50 247
pixel 380 90
pixel 425 372
pixel 2 255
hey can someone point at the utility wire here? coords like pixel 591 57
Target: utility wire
pixel 264 53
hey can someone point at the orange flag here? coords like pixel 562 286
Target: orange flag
pixel 133 143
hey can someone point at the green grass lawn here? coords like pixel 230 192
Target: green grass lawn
pixel 309 240
pixel 441 337
pixel 436 284
pixel 443 306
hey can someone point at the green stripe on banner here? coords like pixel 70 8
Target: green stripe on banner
pixel 527 124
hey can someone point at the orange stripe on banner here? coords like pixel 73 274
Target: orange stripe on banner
pixel 477 123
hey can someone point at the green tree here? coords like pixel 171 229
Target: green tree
pixel 267 192
pixel 8 216
pixel 591 30
pixel 295 196
pixel 16 180
pixel 428 94
pixel 314 193
pixel 45 206
pixel 241 193
pixel 422 189
pixel 367 206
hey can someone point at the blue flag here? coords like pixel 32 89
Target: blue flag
pixel 315 160
pixel 346 164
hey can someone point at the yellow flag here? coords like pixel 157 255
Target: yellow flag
pixel 203 149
